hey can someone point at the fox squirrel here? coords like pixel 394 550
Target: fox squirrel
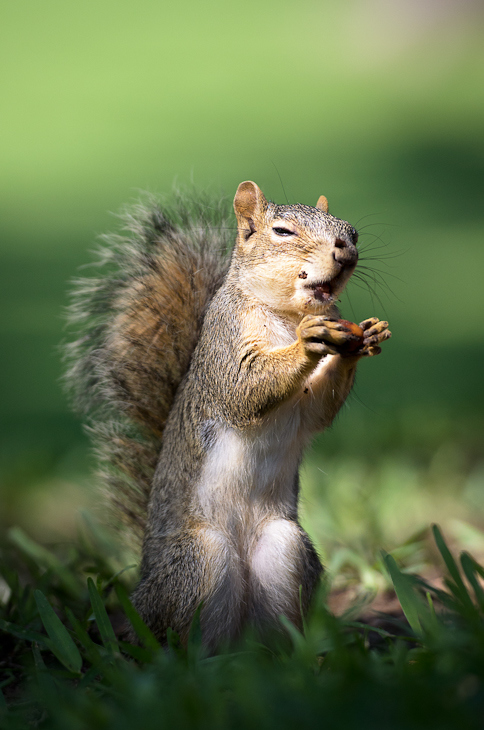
pixel 205 376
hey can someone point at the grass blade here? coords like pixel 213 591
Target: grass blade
pixel 406 595
pixel 297 638
pixel 95 653
pixel 142 631
pixel 368 628
pixel 459 589
pixel 102 619
pixel 24 634
pixel 45 680
pixel 469 567
pixel 62 644
pixel 98 656
pixel 143 656
pixel 173 643
pixel 195 647
pixel 92 649
pixel 434 626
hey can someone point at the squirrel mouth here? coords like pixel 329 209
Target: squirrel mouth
pixel 328 291
pixel 323 290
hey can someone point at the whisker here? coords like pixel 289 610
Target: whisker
pixel 368 215
pixel 369 225
pixel 355 395
pixel 376 237
pixel 350 303
pixel 377 279
pixel 372 292
pixel 382 274
pixel 385 257
pixel 280 180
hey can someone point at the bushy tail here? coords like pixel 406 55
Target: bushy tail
pixel 137 322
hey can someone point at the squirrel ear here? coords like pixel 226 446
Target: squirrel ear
pixel 322 203
pixel 249 200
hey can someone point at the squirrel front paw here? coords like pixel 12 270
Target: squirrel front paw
pixel 374 333
pixel 321 336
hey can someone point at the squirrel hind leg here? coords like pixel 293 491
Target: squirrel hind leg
pixel 197 566
pixel 282 559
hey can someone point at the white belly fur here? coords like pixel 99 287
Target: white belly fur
pixel 249 475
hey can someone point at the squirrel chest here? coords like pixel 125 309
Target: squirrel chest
pixel 252 472
pixel 246 473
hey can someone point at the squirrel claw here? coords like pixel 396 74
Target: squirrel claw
pixel 367 323
pixel 371 351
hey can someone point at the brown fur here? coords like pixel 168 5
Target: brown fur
pixel 138 322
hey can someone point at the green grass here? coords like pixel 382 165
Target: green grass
pixel 64 666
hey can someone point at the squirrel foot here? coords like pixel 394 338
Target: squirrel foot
pixel 375 332
pixel 322 335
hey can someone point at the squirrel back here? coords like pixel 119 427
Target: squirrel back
pixel 137 322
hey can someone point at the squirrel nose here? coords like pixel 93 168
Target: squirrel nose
pixel 345 252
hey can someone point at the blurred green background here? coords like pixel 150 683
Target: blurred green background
pixel 377 104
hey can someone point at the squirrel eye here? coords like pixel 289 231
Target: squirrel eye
pixel 283 231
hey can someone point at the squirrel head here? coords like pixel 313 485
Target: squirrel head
pixel 295 258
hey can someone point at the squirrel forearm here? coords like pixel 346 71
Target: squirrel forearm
pixel 328 388
pixel 265 378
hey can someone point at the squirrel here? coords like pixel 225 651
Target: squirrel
pixel 205 375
